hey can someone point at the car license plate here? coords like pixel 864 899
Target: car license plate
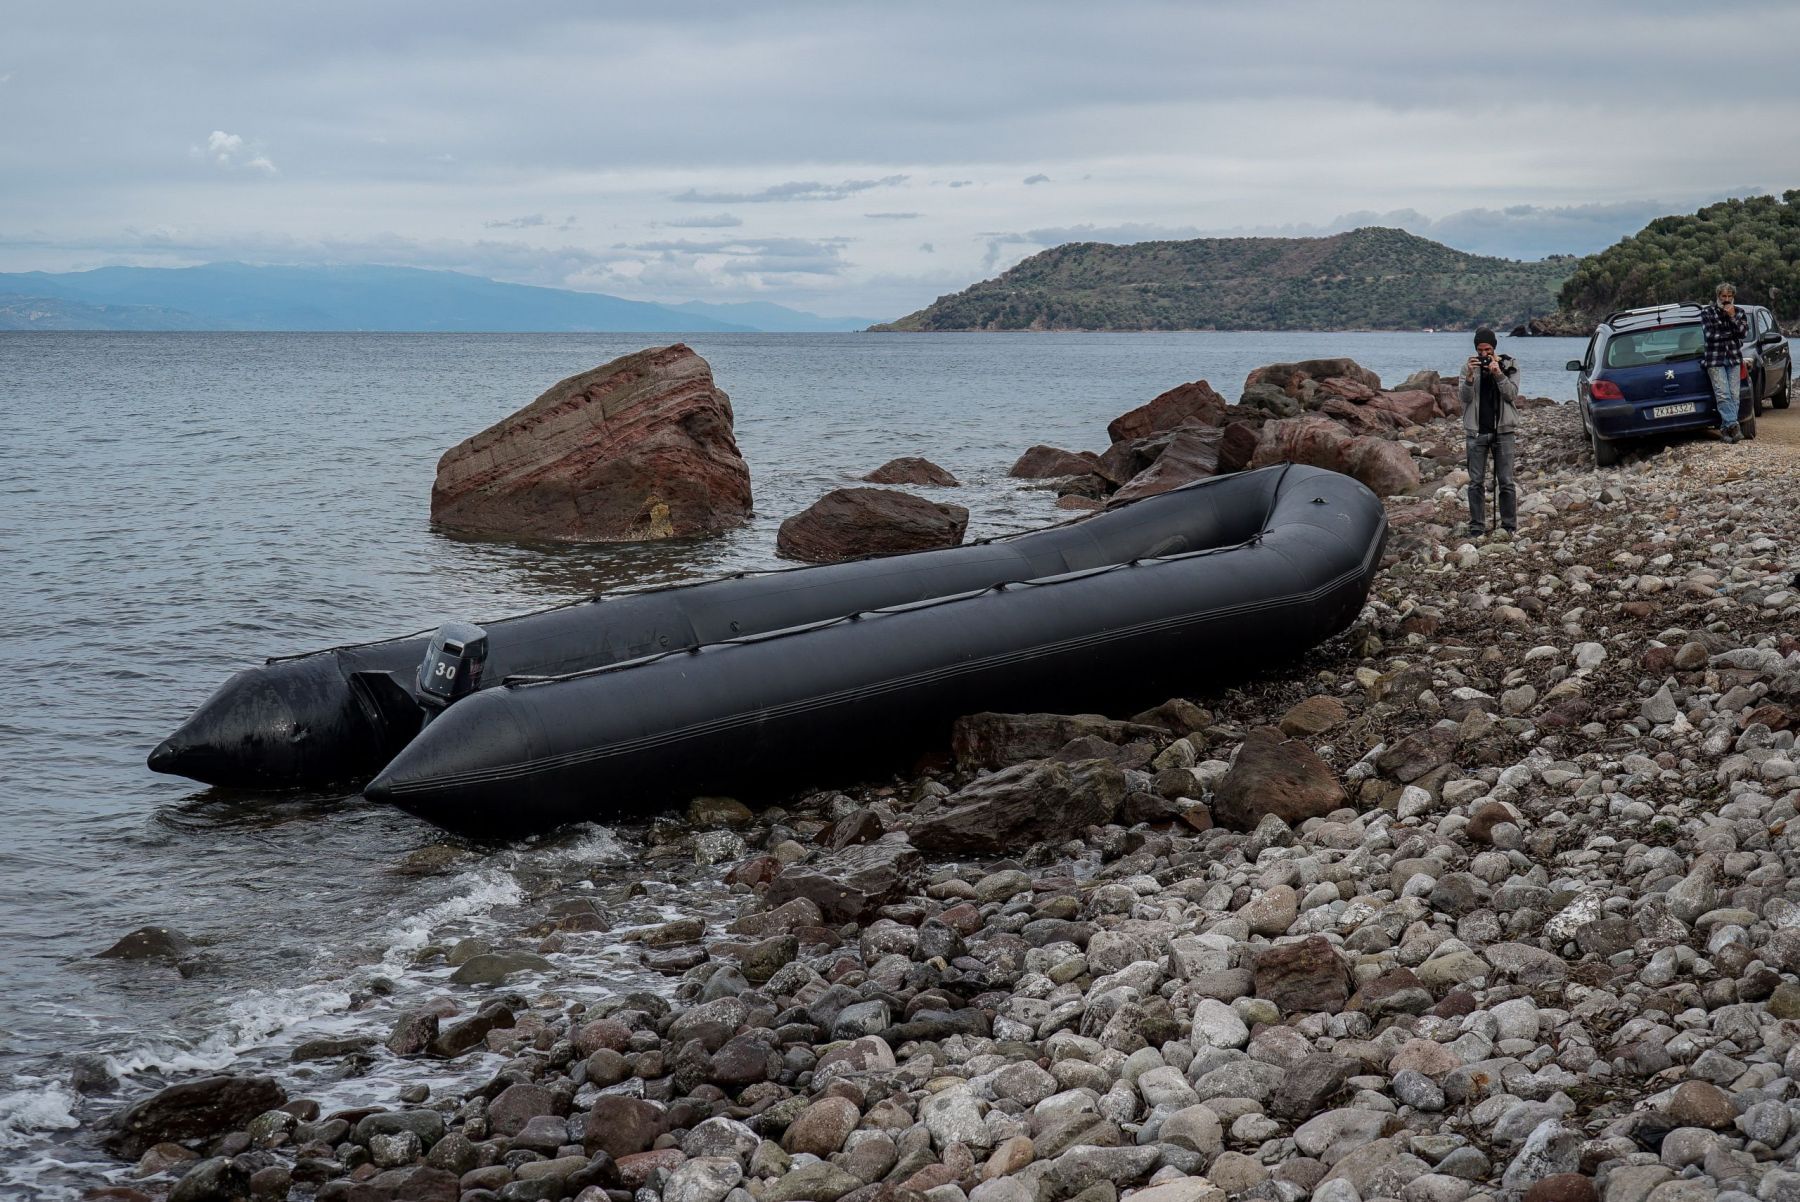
pixel 1672 410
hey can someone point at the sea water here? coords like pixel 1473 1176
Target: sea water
pixel 174 507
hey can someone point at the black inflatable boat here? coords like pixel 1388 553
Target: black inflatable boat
pixel 755 682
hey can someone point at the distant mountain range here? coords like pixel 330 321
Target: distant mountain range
pixel 1370 279
pixel 235 296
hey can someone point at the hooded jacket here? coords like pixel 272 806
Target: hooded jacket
pixel 1468 390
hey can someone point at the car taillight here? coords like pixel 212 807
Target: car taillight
pixel 1744 370
pixel 1605 390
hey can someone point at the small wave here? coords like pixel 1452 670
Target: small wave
pixel 487 889
pixel 247 1023
pixel 592 846
pixel 24 1112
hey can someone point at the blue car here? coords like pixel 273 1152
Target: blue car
pixel 1641 376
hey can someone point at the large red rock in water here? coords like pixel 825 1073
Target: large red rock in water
pixel 639 448
pixel 1042 463
pixel 849 523
pixel 1185 404
pixel 911 469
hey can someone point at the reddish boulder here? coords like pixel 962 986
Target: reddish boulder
pixel 986 741
pixel 639 448
pixel 1043 463
pixel 1022 805
pixel 1563 1187
pixel 910 469
pixel 1383 465
pixel 621 1126
pixel 1414 408
pixel 1127 457
pixel 1283 777
pixel 849 523
pixel 1314 440
pixel 1237 445
pixel 1292 378
pixel 1194 404
pixel 1191 454
pixel 518 1104
pixel 1304 976
pixel 1354 391
pixel 851 884
pixel 1364 419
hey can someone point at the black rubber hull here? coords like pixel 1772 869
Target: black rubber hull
pixel 1292 556
pixel 338 716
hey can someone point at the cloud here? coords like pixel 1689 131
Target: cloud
pixel 716 221
pixel 893 216
pixel 792 190
pixel 530 221
pixel 927 248
pixel 961 183
pixel 765 258
pixel 230 151
pixel 1040 178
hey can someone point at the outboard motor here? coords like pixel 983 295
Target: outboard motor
pixel 452 666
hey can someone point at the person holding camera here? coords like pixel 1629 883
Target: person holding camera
pixel 1489 389
pixel 1726 329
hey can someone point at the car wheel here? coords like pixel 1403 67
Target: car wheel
pixel 1747 427
pixel 1780 399
pixel 1605 453
pixel 1756 401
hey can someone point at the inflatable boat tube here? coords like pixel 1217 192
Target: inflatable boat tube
pixel 1192 586
pixel 338 716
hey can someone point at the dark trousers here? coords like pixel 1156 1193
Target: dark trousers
pixel 1500 447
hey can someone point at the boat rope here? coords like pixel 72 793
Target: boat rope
pixel 1298 598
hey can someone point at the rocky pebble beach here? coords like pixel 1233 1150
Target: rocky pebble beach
pixel 1495 895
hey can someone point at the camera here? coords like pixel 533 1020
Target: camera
pixel 1485 361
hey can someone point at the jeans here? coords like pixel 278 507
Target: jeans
pixel 1725 393
pixel 1501 446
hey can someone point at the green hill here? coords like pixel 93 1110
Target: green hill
pixel 1373 278
pixel 1754 243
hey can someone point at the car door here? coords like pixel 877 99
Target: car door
pixel 1778 361
pixel 1583 370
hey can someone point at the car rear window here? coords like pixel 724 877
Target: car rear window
pixel 1659 345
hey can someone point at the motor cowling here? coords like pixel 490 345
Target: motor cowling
pixel 452 666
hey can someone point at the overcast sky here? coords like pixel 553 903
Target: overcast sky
pixel 857 158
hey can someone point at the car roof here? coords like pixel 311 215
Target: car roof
pixel 1650 316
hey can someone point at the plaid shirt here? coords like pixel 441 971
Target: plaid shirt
pixel 1724 336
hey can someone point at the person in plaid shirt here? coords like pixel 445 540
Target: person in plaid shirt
pixel 1726 329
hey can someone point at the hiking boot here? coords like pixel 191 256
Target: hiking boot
pixel 1730 433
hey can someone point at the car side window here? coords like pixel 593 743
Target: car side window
pixel 1587 362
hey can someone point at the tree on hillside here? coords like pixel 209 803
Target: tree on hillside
pixel 1754 243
